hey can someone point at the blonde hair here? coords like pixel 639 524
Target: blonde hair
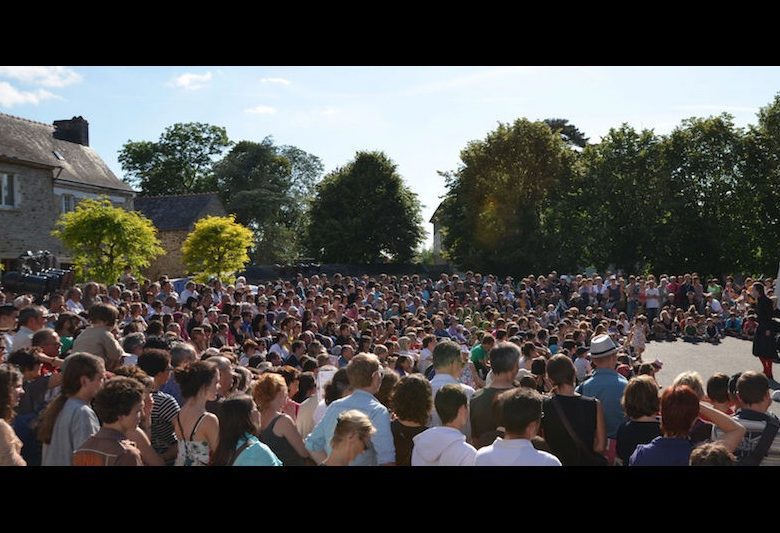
pixel 349 422
pixel 268 386
pixel 693 380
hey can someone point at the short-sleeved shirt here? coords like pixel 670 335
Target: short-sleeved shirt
pixel 478 354
pixel 107 447
pixel 631 434
pixel 74 425
pixel 256 454
pixel 662 451
pixel 164 410
pixel 608 386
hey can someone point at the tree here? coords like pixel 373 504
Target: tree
pixel 568 132
pixel 268 188
pixel 497 211
pixel 363 213
pixel 216 246
pixel 104 239
pixel 179 163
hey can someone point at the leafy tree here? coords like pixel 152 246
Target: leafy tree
pixel 180 162
pixel 216 246
pixel 268 188
pixel 497 212
pixel 104 239
pixel 363 213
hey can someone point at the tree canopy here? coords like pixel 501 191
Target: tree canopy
pixel 179 162
pixel 104 239
pixel 216 246
pixel 364 213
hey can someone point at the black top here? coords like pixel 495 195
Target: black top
pixel 631 434
pixel 402 438
pixel 279 445
pixel 764 345
pixel 581 413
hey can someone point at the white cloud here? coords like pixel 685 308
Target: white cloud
pixel 46 76
pixel 190 81
pixel 329 111
pixel 260 110
pixel 280 81
pixel 11 96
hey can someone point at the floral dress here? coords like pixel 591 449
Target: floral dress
pixel 192 452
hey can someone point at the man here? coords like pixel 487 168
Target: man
pixel 188 292
pixel 505 362
pixel 365 377
pixel 479 354
pixel 446 445
pixel 31 319
pixel 73 303
pixel 47 342
pixel 606 385
pixel 426 354
pixel 448 362
pixel 182 356
pixel 133 346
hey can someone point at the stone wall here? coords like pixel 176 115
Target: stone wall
pixel 170 263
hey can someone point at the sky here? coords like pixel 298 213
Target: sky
pixel 421 117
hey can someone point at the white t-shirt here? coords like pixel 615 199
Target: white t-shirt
pixel 515 452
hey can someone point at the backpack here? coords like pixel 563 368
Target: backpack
pixel 761 450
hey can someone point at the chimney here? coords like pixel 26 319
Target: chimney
pixel 75 130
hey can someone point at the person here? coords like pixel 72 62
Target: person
pixel 680 408
pixel 239 422
pixel 351 437
pixel 199 383
pixel 764 344
pixel 754 394
pixel 566 412
pixel 10 391
pixel 118 404
pixel 607 386
pixel 277 428
pixel 411 403
pixel 520 413
pixel 712 454
pixel 140 435
pixel 448 361
pixel 641 405
pixel 97 339
pixel 365 377
pixel 446 445
pixel 68 421
pixel 718 393
pixel 31 319
pixel 504 361
pixel 157 364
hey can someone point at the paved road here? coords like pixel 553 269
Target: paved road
pixel 730 356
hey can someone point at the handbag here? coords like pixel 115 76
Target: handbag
pixel 591 458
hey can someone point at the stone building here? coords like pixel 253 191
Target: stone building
pixel 45 170
pixel 174 217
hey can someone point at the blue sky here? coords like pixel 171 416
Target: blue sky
pixel 420 116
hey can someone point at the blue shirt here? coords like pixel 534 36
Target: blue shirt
pixel 172 387
pixel 607 385
pixel 662 451
pixel 256 454
pixel 382 449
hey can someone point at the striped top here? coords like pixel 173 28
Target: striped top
pixel 754 423
pixel 164 410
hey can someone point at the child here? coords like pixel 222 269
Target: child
pixel 690 333
pixel 718 393
pixel 711 332
pixel 638 337
pixel 118 405
pixel 68 420
pixel 733 327
pixel 446 445
pixel 749 327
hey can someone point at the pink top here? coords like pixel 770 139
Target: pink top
pixel 10 446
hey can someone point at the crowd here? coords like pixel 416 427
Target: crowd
pixel 387 370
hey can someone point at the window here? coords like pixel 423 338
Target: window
pixel 67 203
pixel 7 190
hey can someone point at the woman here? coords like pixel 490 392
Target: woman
pixel 679 409
pixel 238 446
pixel 764 344
pixel 68 421
pixel 411 403
pixel 641 405
pixel 141 435
pixel 196 430
pixel 11 391
pixel 566 412
pixel 307 397
pixel 66 326
pixel 351 437
pixel 277 429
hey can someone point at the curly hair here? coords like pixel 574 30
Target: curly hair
pixel 412 399
pixel 117 398
pixel 267 388
pixel 10 378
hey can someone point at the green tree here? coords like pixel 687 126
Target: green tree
pixel 268 188
pixel 364 213
pixel 498 212
pixel 104 239
pixel 216 246
pixel 179 162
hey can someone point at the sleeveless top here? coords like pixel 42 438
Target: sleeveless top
pixel 279 445
pixel 581 413
pixel 192 452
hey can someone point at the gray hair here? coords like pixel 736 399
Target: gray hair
pixel 181 352
pixel 133 341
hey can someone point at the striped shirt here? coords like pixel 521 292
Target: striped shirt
pixel 754 423
pixel 164 410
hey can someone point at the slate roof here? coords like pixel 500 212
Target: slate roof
pixel 27 141
pixel 178 212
